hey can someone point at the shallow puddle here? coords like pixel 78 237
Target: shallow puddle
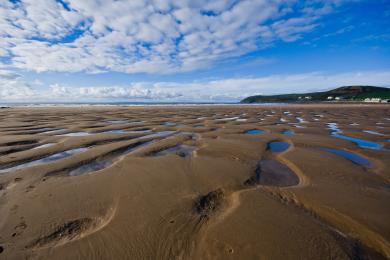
pixel 361 143
pixel 336 132
pixel 55 131
pixel 255 132
pixel 158 134
pixel 47 159
pixel 42 130
pixel 76 134
pixel 228 118
pixel 373 132
pixel 278 147
pixel 288 133
pixel 43 146
pixel 135 147
pixel 117 121
pixel 274 173
pixel 91 167
pixel 100 164
pixel 115 131
pixel 169 123
pixel 334 128
pixel 181 150
pixel 355 158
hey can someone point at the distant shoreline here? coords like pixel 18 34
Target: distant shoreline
pixel 172 105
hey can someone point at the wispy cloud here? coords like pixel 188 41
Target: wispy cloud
pixel 153 36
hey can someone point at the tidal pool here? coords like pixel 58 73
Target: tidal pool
pixel 103 163
pixel 228 118
pixel 334 127
pixel 278 147
pixel 360 142
pixel 255 132
pixel 373 132
pixel 181 150
pixel 55 131
pixel 288 133
pixel 158 134
pixel 336 132
pixel 47 159
pixel 115 131
pixel 75 134
pixel 273 173
pixel 117 121
pixel 43 146
pixel 91 167
pixel 355 158
pixel 169 123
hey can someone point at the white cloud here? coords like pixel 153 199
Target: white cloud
pixel 135 91
pixel 154 36
pixel 233 89
pixel 8 75
pixel 14 89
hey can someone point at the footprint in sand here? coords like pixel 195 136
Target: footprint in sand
pixel 19 228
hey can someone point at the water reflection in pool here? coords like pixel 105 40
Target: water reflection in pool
pixel 288 133
pixel 255 132
pixel 181 150
pixel 361 143
pixel 278 147
pixel 47 159
pixel 355 158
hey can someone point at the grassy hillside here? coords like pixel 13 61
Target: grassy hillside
pixel 348 93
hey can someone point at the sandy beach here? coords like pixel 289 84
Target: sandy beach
pixel 195 182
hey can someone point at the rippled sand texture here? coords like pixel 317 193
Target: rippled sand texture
pixel 195 182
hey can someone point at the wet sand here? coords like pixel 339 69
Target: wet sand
pixel 195 182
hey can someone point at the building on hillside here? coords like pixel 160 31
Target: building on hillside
pixel 373 100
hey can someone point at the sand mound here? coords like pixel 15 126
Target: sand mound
pixel 67 231
pixel 206 205
pixel 72 230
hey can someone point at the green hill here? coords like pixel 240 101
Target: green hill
pixel 347 93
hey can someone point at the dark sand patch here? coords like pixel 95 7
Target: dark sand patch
pixel 208 204
pixel 66 232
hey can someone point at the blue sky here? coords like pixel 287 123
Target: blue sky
pixel 171 50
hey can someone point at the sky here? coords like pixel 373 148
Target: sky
pixel 188 50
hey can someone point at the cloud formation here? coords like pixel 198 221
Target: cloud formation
pixel 232 89
pixel 135 91
pixel 153 36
